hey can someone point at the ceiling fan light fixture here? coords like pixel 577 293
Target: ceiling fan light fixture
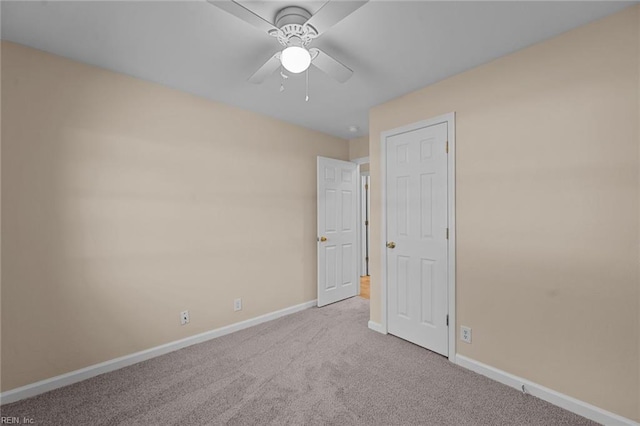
pixel 295 59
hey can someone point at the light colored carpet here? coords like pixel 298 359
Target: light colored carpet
pixel 317 367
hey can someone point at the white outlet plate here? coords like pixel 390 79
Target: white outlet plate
pixel 184 317
pixel 237 305
pixel 465 334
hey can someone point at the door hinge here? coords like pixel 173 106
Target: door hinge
pixel 447 233
pixel 366 223
pixel 366 186
pixel 447 147
pixel 447 320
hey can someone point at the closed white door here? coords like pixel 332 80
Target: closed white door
pixel 337 230
pixel 417 236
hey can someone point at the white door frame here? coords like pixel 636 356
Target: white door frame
pixel 451 205
pixel 360 161
pixel 365 206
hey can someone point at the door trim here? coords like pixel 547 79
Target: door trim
pixel 359 214
pixel 449 119
pixel 360 160
pixel 363 228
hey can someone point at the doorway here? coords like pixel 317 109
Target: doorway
pixel 364 219
pixel 365 226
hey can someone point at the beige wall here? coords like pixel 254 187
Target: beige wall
pixel 547 209
pixel 125 202
pixel 359 147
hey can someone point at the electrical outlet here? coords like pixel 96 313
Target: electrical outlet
pixel 184 317
pixel 237 305
pixel 465 334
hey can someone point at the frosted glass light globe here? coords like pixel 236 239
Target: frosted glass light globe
pixel 295 59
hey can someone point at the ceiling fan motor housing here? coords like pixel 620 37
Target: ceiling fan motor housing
pixel 292 15
pixel 291 29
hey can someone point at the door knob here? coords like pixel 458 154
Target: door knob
pixel 391 245
pixel 323 239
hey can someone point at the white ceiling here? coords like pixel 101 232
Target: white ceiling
pixel 394 47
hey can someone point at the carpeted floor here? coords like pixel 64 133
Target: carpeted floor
pixel 317 367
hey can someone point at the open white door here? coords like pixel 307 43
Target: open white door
pixel 337 230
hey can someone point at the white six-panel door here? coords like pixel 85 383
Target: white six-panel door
pixel 337 230
pixel 417 244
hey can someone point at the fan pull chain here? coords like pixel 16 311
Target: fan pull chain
pixel 306 98
pixel 284 77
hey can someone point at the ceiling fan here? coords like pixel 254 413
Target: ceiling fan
pixel 295 28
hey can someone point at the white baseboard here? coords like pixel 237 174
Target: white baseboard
pixel 556 398
pixel 66 379
pixel 376 327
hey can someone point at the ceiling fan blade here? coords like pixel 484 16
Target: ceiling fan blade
pixel 243 13
pixel 330 65
pixel 331 13
pixel 266 70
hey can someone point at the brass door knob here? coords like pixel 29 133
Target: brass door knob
pixel 323 239
pixel 391 245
